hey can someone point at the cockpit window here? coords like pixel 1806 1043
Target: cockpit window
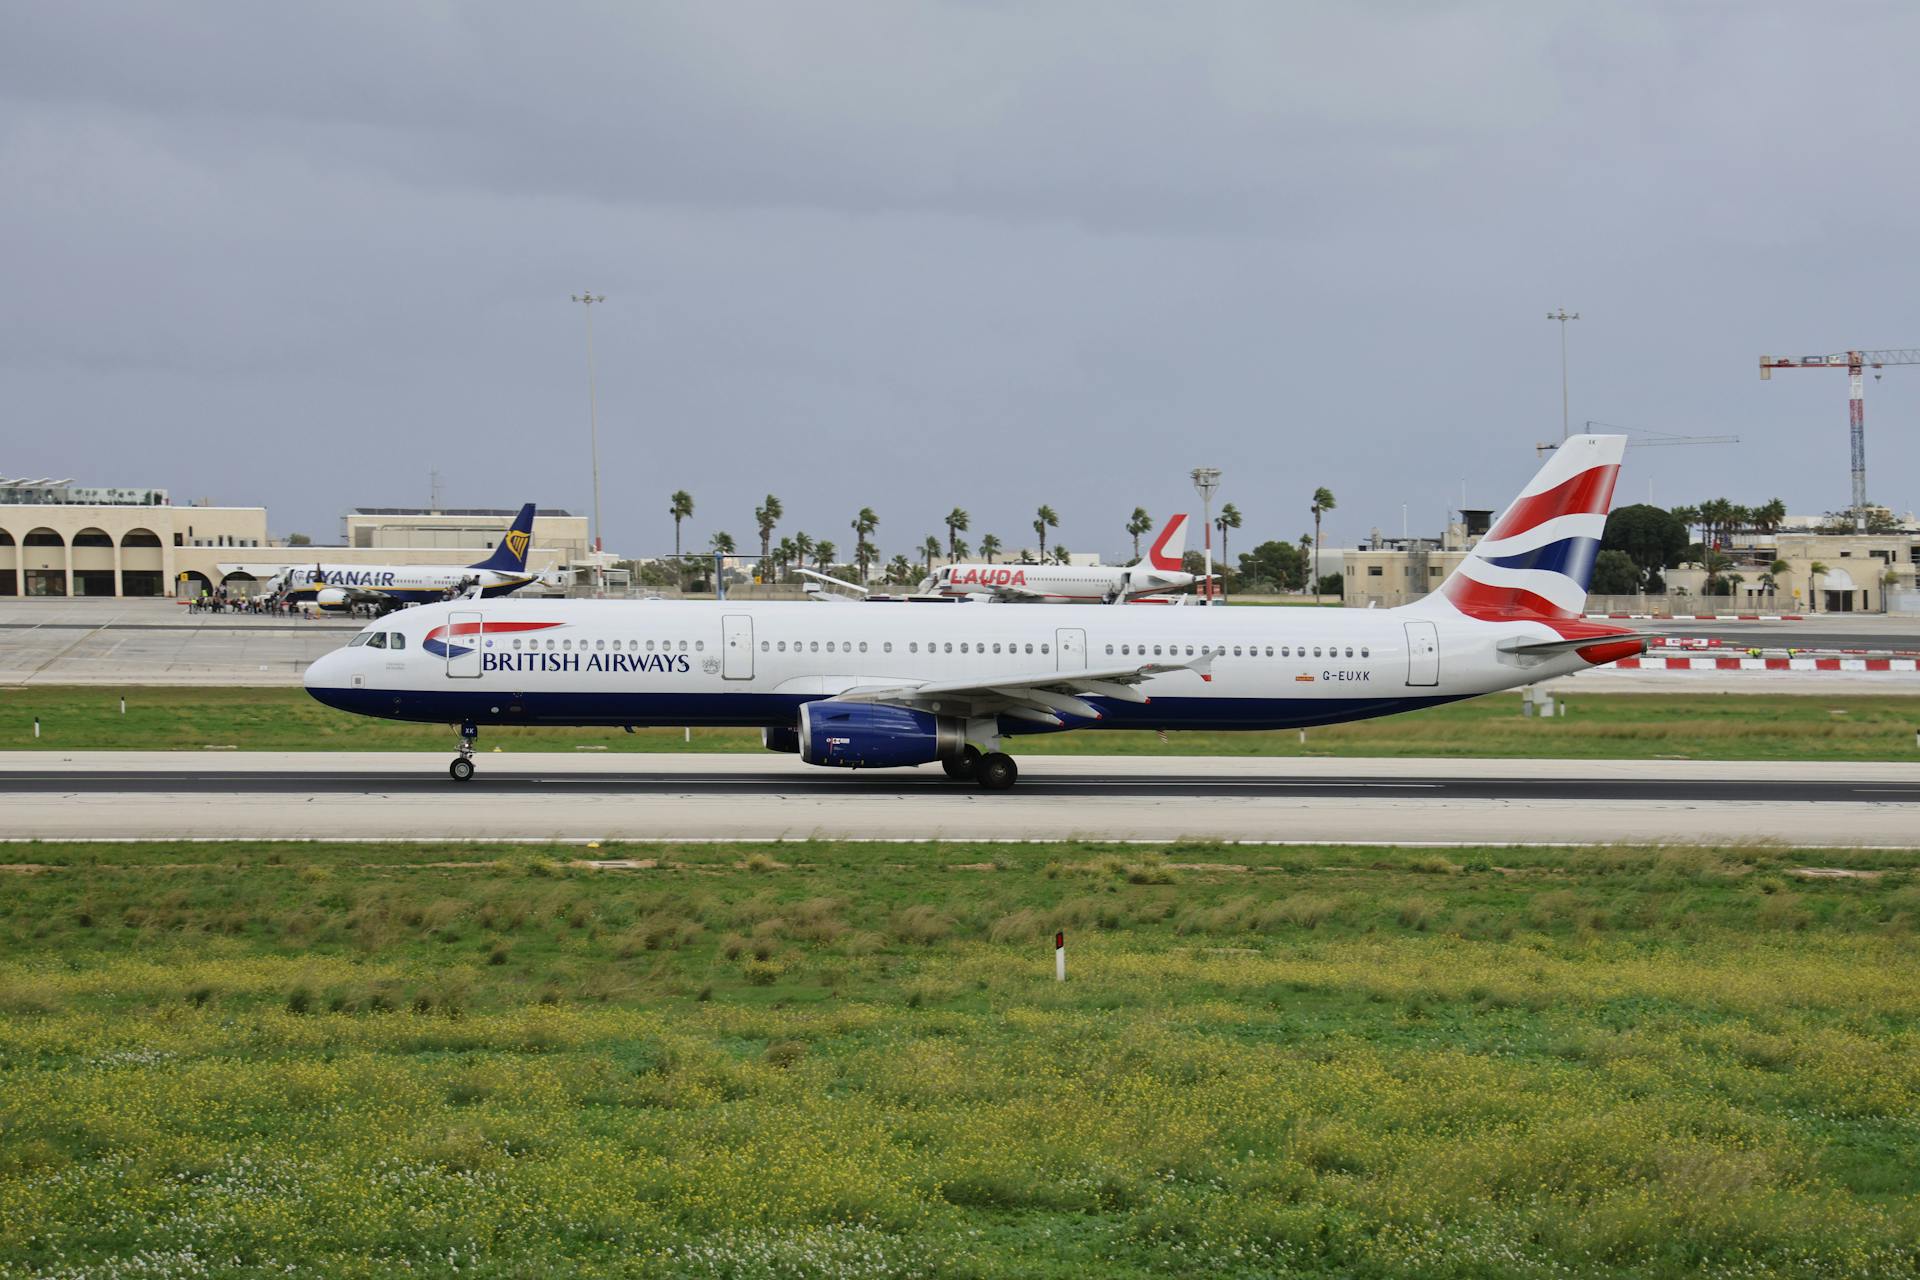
pixel 395 640
pixel 359 640
pixel 377 640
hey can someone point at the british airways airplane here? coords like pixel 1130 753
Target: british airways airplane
pixel 1153 579
pixel 874 685
pixel 389 586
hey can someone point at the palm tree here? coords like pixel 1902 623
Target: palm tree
pixel 863 525
pixel 990 547
pixel 783 555
pixel 823 555
pixel 900 570
pixel 723 543
pixel 1815 572
pixel 957 522
pixel 803 547
pixel 930 548
pixel 1229 518
pixel 1306 560
pixel 1062 556
pixel 1775 576
pixel 1138 523
pixel 766 517
pixel 1044 519
pixel 961 550
pixel 681 509
pixel 1322 503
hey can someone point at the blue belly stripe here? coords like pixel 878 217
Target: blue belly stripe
pixel 757 710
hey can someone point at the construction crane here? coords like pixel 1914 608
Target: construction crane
pixel 1855 363
pixel 1644 440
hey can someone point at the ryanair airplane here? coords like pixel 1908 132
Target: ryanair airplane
pixel 389 586
pixel 873 685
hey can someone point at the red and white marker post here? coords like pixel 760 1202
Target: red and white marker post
pixel 1060 957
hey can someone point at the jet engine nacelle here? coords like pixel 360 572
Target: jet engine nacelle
pixel 330 598
pixel 860 735
pixel 780 738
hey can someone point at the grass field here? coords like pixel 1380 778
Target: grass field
pixel 851 1060
pixel 1625 726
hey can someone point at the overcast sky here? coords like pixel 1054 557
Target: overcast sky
pixel 918 255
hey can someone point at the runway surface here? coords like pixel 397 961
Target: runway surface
pixel 528 796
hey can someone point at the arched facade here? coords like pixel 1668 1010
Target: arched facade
pixel 43 563
pixel 192 584
pixel 9 565
pixel 93 563
pixel 143 563
pixel 238 583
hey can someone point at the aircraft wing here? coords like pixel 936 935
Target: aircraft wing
pixel 1041 696
pixel 838 582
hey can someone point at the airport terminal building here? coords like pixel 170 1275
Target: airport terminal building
pixel 59 540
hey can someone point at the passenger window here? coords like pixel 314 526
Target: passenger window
pixel 698 645
pixel 568 643
pixel 887 647
pixel 813 646
pixel 683 646
pixel 765 647
pixel 1349 651
pixel 1126 649
pixel 360 639
pixel 1029 648
pixel 1109 648
pixel 783 646
pixel 649 646
pixel 829 646
pixel 395 640
pixel 949 646
pixel 963 646
pixel 516 642
pixel 1269 651
pixel 1043 648
pixel 996 648
pixel 913 646
pixel 600 644
pixel 1363 651
pixel 1236 651
pixel 1156 651
pixel 1189 651
pixel 863 646
pixel 1316 651
pixel 378 640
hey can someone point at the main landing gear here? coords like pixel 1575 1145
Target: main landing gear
pixel 461 769
pixel 992 770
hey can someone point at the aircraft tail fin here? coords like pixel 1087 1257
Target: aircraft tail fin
pixel 511 555
pixel 1537 560
pixel 1169 548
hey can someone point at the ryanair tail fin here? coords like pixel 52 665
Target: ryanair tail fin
pixel 1538 558
pixel 511 555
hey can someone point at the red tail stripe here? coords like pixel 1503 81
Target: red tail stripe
pixel 1157 554
pixel 1478 600
pixel 1588 493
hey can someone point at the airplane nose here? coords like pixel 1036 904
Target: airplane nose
pixel 327 675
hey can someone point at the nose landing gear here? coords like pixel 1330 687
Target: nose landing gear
pixel 462 767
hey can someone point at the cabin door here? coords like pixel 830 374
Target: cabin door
pixel 1070 648
pixel 736 646
pixel 1423 654
pixel 463 642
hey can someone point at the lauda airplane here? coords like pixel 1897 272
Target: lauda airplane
pixel 872 685
pixel 1159 574
pixel 389 586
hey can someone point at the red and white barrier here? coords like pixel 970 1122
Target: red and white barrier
pixel 1701 617
pixel 1768 664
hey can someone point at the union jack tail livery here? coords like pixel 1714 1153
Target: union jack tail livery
pixel 1536 561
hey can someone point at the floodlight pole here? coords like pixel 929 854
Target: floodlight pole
pixel 593 436
pixel 1563 315
pixel 1205 481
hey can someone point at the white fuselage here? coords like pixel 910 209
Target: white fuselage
pixel 701 662
pixel 1055 583
pixel 405 582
